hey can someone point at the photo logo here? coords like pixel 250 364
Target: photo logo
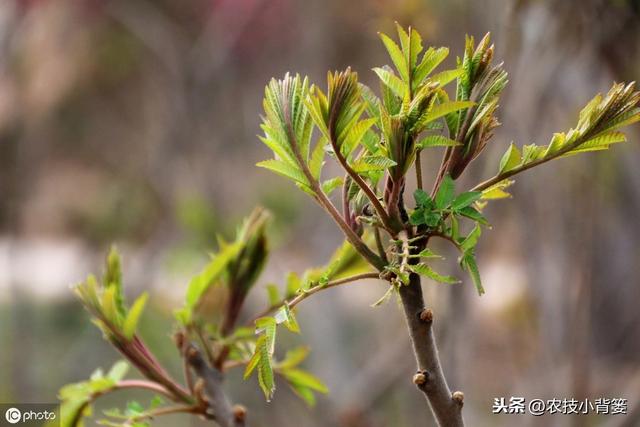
pixel 13 415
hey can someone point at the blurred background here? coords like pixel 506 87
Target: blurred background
pixel 134 122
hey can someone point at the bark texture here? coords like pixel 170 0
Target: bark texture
pixel 430 379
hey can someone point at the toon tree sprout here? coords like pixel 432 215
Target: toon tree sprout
pixel 377 140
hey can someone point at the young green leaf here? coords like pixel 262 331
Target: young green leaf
pixel 133 316
pixel 396 56
pixel 463 200
pixel 471 240
pixel 392 81
pixel 473 214
pixel 424 270
pixel 201 282
pixel 428 253
pixel 468 263
pixel 304 384
pixel 436 141
pixel 510 159
pixel 445 193
pixel 293 358
pixel 446 108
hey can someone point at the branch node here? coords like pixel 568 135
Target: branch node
pixel 426 315
pixel 421 378
pixel 458 397
pixel 239 413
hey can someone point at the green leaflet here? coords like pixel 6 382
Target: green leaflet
pixel 397 86
pixel 446 76
pixel 284 169
pixel 373 163
pixel 132 318
pixel 600 142
pixel 445 193
pixel 286 317
pixel 301 382
pixel 262 360
pixel 463 200
pixel 471 240
pixel 430 60
pixel 293 358
pixel 355 134
pixel 331 184
pixel 317 160
pixel 288 122
pixel 76 398
pixel 436 141
pixel 468 263
pixel 424 270
pixel 510 159
pixel 428 253
pixel 113 278
pixel 497 191
pixel 273 293
pixel 201 282
pixel 442 110
pixel 396 56
pixel 304 384
pixel 473 214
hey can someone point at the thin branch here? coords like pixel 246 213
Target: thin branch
pixel 137 353
pixel 324 201
pixel 430 379
pixel 502 176
pixel 122 385
pixel 143 384
pixel 447 238
pixel 375 202
pixel 167 410
pixel 314 290
pixel 346 209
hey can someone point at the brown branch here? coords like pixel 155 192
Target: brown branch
pixel 418 166
pixel 446 407
pixel 219 407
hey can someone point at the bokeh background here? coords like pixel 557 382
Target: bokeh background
pixel 134 122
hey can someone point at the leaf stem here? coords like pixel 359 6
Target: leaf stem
pixel 167 410
pixel 148 385
pixel 324 201
pixel 380 210
pixel 313 290
pixel 502 176
pixel 418 166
